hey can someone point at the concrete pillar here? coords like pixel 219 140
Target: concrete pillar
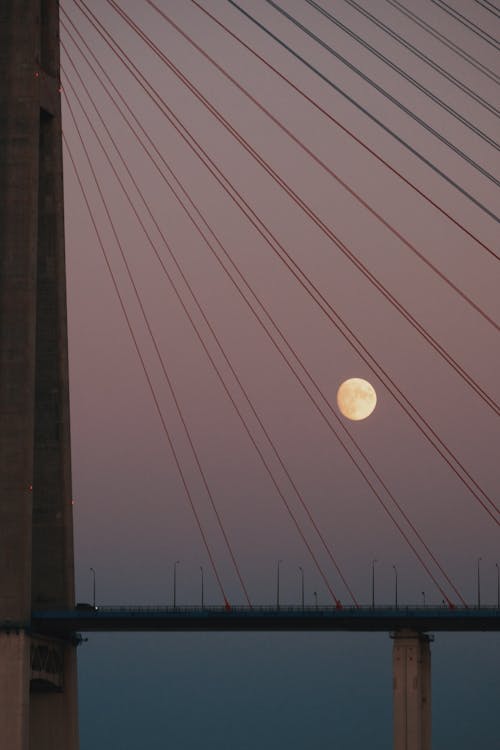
pixel 53 721
pixel 411 663
pixel 36 526
pixel 14 690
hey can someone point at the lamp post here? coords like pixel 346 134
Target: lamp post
pixel 176 563
pixel 278 584
pixel 302 585
pixel 202 587
pixel 498 585
pixel 423 598
pixel 373 582
pixel 93 586
pixel 395 585
pixel 316 598
pixel 479 582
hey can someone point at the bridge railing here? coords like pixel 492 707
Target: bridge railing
pixel 284 608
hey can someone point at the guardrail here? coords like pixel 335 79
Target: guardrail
pixel 285 608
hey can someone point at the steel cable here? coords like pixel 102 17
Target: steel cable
pixel 467 23
pixel 423 57
pixel 347 131
pixel 406 76
pixel 386 94
pixel 326 308
pixel 209 356
pixel 446 41
pixel 143 365
pixel 384 506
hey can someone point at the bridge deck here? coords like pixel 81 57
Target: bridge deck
pixel 265 618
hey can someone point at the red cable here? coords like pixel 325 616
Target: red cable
pixel 184 482
pixel 266 465
pixel 327 169
pixel 311 552
pixel 348 132
pixel 415 531
pixel 125 104
pixel 322 298
pixel 312 215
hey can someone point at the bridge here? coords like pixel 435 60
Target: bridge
pixel 260 204
pixel 420 619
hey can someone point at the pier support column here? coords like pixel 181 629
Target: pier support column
pixel 411 665
pixel 14 690
pixel 38 701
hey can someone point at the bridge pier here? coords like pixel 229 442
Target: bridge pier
pixel 53 720
pixel 37 684
pixel 38 707
pixel 411 665
pixel 14 689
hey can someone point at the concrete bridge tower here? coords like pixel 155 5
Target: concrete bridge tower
pixel 38 696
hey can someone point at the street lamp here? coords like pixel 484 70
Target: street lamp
pixel 202 587
pixel 373 582
pixel 316 598
pixel 423 598
pixel 479 582
pixel 395 585
pixel 176 563
pixel 302 585
pixel 93 586
pixel 498 585
pixel 278 584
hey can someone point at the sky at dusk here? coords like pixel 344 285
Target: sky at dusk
pixel 132 517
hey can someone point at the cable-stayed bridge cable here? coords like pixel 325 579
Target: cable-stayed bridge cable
pixel 423 57
pixel 206 350
pixel 155 344
pixel 467 23
pixel 440 446
pixel 228 362
pixel 368 114
pixel 406 76
pixel 446 41
pixel 148 378
pixel 490 7
pixel 389 513
pixel 383 92
pixel 408 541
pixel 348 132
pixel 324 228
pixel 409 245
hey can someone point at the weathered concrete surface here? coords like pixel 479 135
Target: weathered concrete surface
pixel 411 691
pixel 47 730
pixel 14 690
pixel 36 529
pixel 19 118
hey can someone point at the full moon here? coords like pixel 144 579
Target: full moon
pixel 356 398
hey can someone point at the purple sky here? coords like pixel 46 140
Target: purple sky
pixel 132 520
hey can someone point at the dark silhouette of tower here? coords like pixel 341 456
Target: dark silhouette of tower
pixel 38 700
